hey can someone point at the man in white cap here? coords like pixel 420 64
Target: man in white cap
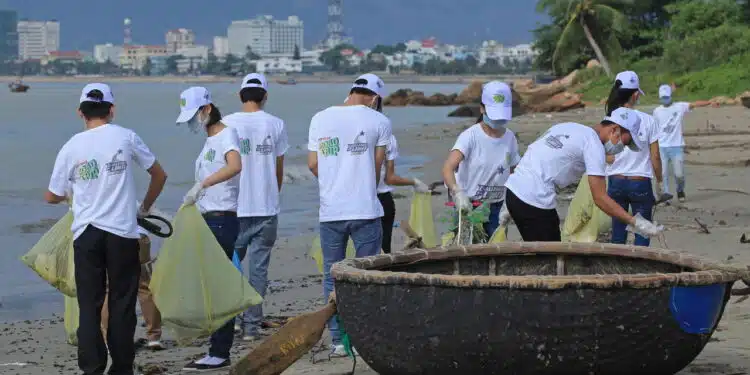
pixel 347 145
pixel 484 156
pixel 263 143
pixel 669 116
pixel 559 158
pixel 95 169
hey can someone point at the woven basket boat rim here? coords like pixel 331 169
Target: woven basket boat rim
pixel 707 272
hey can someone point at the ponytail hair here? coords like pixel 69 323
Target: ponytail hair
pixel 481 115
pixel 618 97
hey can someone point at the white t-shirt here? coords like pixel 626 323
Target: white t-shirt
pixel 345 138
pixel 631 163
pixel 487 162
pixel 557 159
pixel 222 196
pixel 391 153
pixel 670 123
pixel 262 138
pixel 97 166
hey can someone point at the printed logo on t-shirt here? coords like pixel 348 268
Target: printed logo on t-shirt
pixel 210 155
pixel 266 147
pixel 357 147
pixel 671 124
pixel 87 170
pixel 489 192
pixel 554 141
pixel 329 146
pixel 116 166
pixel 245 146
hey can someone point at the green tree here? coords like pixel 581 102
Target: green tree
pixel 146 68
pixel 297 55
pixel 172 63
pixel 600 22
pixel 250 55
pixel 333 58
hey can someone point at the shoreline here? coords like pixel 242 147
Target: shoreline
pixel 302 78
pixel 295 283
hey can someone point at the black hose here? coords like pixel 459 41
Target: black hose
pixel 153 228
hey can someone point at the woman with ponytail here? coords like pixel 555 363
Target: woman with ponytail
pixel 216 192
pixel 630 172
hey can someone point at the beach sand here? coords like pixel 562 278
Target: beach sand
pixel 718 153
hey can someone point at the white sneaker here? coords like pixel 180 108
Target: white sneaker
pixel 237 329
pixel 155 345
pixel 339 351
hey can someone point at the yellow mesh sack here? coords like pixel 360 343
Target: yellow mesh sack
pixel 316 252
pixel 71 320
pixel 421 219
pixel 195 285
pixel 585 220
pixel 52 256
pixel 499 235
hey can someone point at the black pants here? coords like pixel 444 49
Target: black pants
pixel 103 258
pixel 535 224
pixel 389 216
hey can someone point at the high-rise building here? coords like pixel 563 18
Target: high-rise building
pixel 8 35
pixel 265 36
pixel 37 38
pixel 178 39
pixel 107 52
pixel 221 46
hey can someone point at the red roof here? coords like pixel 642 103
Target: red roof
pixel 73 54
pixel 429 43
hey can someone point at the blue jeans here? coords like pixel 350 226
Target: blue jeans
pixel 635 194
pixel 674 157
pixel 225 228
pixel 257 237
pixel 367 236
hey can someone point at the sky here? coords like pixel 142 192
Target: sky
pixel 84 23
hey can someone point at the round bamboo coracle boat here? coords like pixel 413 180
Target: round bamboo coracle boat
pixel 532 308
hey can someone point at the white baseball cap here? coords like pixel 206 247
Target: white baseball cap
pixel 498 100
pixel 372 83
pixel 665 91
pixel 630 121
pixel 108 97
pixel 191 100
pixel 629 80
pixel 260 77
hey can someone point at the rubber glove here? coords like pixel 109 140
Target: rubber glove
pixel 504 217
pixel 193 194
pixel 420 187
pixel 462 200
pixel 142 212
pixel 644 227
pixel 659 189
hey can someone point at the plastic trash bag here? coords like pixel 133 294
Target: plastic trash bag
pixel 52 256
pixel 500 235
pixel 71 320
pixel 316 252
pixel 421 219
pixel 195 285
pixel 585 220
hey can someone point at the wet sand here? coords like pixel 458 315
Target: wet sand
pixel 716 163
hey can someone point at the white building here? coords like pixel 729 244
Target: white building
pixel 264 36
pixel 37 38
pixel 278 65
pixel 107 52
pixel 493 50
pixel 221 46
pixel 179 38
pixel 196 52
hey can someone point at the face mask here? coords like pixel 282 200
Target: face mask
pixel 198 122
pixel 612 148
pixel 494 124
pixel 665 101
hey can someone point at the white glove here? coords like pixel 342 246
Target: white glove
pixel 142 213
pixel 462 200
pixel 504 217
pixel 644 227
pixel 420 187
pixel 193 194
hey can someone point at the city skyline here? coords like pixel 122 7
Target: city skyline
pixel 363 21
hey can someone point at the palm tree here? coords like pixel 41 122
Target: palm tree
pixel 600 21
